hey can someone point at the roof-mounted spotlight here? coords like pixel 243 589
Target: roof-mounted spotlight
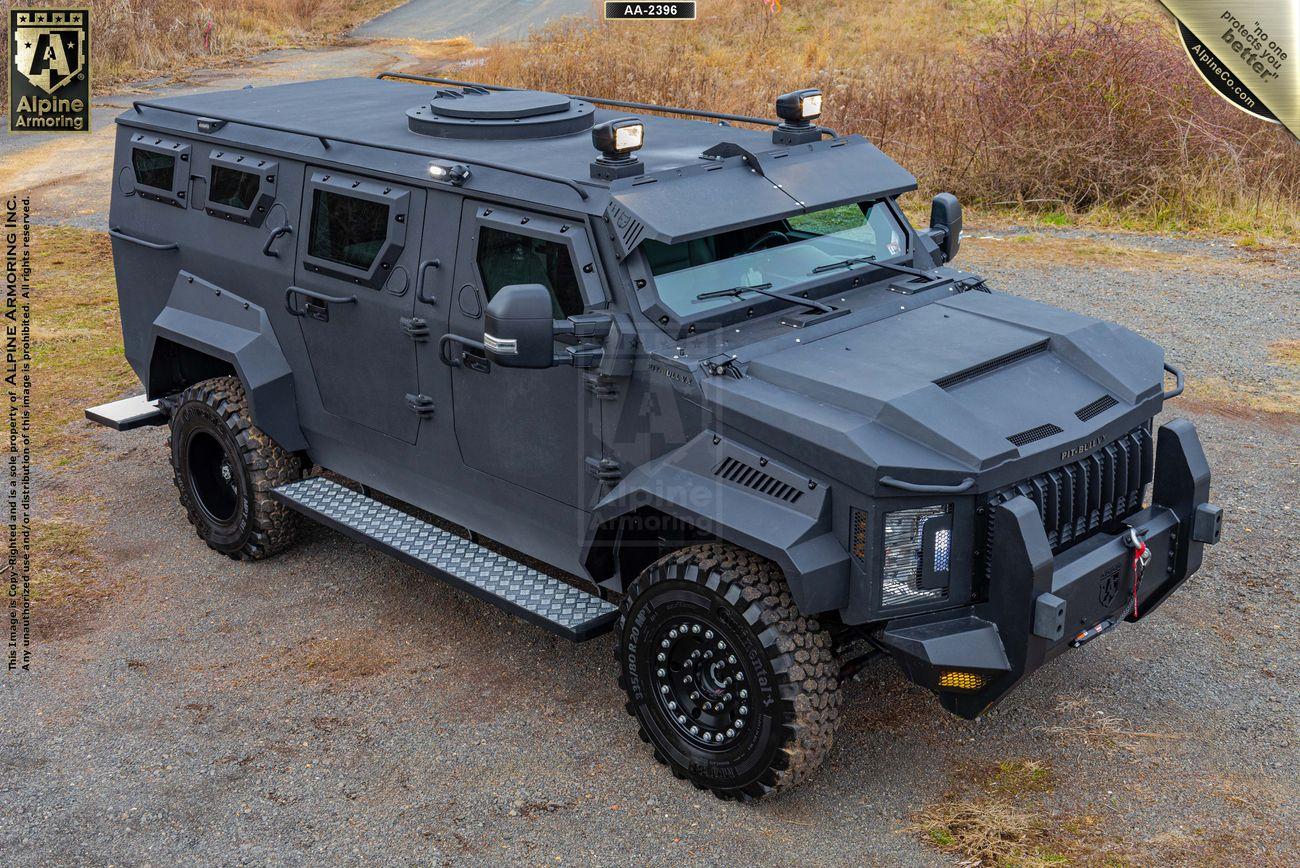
pixel 456 174
pixel 797 112
pixel 617 140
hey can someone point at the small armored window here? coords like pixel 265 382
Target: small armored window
pixel 153 169
pixel 347 230
pixel 506 258
pixel 233 188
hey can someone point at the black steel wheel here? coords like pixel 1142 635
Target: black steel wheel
pixel 225 467
pixel 731 686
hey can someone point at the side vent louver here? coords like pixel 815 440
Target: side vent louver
pixel 991 365
pixel 1096 408
pixel 1034 434
pixel 740 473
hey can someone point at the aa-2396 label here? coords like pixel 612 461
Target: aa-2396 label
pixel 624 11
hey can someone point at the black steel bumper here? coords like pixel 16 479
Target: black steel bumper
pixel 1039 606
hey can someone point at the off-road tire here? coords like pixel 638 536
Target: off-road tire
pixel 786 659
pixel 211 422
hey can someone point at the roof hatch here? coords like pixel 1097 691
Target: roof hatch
pixel 478 113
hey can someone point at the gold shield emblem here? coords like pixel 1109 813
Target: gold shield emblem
pixel 50 48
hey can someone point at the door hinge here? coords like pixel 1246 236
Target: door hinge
pixel 416 328
pixel 420 404
pixel 607 470
pixel 603 387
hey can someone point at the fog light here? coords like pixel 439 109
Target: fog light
pixel 955 679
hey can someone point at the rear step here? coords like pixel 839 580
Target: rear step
pixel 519 589
pixel 128 413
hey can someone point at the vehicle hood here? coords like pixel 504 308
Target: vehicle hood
pixel 964 384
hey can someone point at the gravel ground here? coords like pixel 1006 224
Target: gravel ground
pixel 331 705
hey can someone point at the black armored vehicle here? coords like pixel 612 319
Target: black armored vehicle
pixel 614 366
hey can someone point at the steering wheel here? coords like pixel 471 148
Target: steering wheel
pixel 767 239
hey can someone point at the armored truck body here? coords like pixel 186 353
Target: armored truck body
pixel 700 384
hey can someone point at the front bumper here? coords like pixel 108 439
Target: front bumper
pixel 1040 606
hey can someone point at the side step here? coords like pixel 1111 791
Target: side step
pixel 128 413
pixel 515 587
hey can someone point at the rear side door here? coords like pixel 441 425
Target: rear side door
pixel 353 296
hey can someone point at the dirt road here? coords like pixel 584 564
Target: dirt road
pixel 332 705
pixel 484 22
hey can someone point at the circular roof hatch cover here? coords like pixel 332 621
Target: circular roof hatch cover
pixel 477 113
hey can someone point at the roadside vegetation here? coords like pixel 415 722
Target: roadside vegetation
pixel 1043 110
pixel 135 39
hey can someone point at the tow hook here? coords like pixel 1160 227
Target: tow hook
pixel 1104 626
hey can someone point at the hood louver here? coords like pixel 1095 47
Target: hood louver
pixel 734 470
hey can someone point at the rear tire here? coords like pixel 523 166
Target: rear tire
pixel 224 467
pixel 732 687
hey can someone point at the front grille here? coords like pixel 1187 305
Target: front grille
pixel 1077 499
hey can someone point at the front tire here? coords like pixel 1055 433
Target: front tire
pixel 224 467
pixel 731 686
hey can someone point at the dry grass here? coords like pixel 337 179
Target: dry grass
pixel 133 39
pixel 1068 110
pixel 76 337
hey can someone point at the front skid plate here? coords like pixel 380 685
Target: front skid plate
pixel 515 587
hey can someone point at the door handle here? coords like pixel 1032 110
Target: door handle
pixel 131 239
pixel 275 233
pixel 293 291
pixel 448 339
pixel 419 280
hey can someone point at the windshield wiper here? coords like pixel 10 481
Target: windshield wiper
pixel 890 266
pixel 764 289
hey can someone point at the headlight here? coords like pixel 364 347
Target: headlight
pixel 911 566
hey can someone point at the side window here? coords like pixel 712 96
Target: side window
pixel 507 258
pixel 347 230
pixel 161 168
pixel 233 188
pixel 153 169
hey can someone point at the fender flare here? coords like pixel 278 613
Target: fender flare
pixel 204 317
pixel 798 538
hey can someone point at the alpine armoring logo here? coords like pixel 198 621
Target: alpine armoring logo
pixel 49 82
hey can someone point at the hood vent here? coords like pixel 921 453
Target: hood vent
pixel 1026 437
pixel 991 365
pixel 1096 408
pixel 734 470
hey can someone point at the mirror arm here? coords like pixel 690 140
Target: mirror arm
pixel 585 325
pixel 581 356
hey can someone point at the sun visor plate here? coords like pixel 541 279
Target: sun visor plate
pixel 752 189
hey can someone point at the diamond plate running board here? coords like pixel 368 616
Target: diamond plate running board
pixel 515 587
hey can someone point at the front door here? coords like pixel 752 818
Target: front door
pixel 353 294
pixel 534 428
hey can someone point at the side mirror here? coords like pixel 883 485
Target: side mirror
pixel 518 331
pixel 945 221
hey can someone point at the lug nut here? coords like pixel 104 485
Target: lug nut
pixel 731 658
pixel 722 646
pixel 664 644
pixel 681 718
pixel 672 634
pixel 695 730
pixel 663 688
pixel 695 628
pixel 731 733
pixel 672 706
pixel 744 694
pixel 708 634
pixel 743 710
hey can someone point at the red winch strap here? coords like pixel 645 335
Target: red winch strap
pixel 1137 573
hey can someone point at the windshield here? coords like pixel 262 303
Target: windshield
pixel 773 256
